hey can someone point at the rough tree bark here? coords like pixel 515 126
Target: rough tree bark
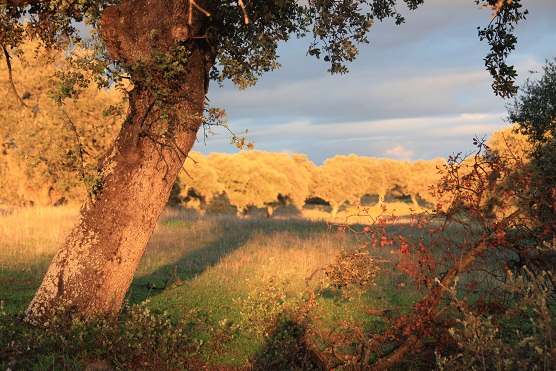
pixel 93 269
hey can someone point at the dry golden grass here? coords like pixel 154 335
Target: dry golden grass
pixel 233 251
pixel 30 236
pixel 360 214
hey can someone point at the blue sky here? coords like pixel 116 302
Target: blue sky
pixel 418 90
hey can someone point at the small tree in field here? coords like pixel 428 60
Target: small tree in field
pixel 396 176
pixel 169 51
pixel 331 182
pixel 344 179
pixel 422 174
pixel 248 182
pixel 297 173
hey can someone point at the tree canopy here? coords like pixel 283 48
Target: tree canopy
pixel 243 35
pixel 534 111
pixel 49 154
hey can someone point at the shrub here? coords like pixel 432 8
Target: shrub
pixel 462 260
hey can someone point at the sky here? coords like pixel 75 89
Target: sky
pixel 417 91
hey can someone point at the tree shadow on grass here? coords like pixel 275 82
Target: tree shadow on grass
pixel 204 241
pixel 194 261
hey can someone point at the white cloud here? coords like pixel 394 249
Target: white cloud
pixel 399 153
pixel 412 138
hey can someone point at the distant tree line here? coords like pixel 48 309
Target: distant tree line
pixel 43 163
pixel 266 180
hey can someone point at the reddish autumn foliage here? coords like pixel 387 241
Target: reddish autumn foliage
pixel 484 232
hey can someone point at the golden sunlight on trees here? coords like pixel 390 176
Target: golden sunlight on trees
pixel 375 178
pixel 396 176
pixel 336 182
pixel 49 153
pixel 247 182
pixel 248 179
pixel 509 142
pixel 267 180
pixel 296 169
pixel 199 182
pixel 356 175
pixel 423 174
pixel 349 178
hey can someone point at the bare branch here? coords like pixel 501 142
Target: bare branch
pixel 497 6
pixel 192 4
pixel 245 16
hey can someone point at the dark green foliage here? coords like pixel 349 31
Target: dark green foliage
pixel 245 51
pixel 534 110
pixel 339 25
pixel 244 36
pixel 499 34
pixel 133 339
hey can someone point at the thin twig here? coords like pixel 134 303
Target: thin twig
pixel 497 6
pixel 245 16
pixel 192 4
pixel 82 151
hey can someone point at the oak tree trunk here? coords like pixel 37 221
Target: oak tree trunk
pixel 414 200
pixel 334 211
pixel 93 269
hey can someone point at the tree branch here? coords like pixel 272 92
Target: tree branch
pixel 9 65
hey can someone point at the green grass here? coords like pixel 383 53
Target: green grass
pixel 28 241
pixel 228 278
pixel 213 291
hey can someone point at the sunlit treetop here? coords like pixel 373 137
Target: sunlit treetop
pixel 244 34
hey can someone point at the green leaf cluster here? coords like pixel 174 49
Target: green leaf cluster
pixel 534 110
pixel 499 34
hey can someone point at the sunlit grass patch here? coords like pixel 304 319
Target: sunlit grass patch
pixel 29 238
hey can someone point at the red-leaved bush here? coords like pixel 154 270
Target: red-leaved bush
pixel 481 263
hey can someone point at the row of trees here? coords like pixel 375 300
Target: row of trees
pixel 266 179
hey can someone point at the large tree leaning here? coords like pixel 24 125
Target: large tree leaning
pixel 94 268
pixel 168 49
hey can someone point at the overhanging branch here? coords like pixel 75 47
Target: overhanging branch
pixel 9 65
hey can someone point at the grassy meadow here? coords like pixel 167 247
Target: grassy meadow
pixel 211 292
pixel 218 269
